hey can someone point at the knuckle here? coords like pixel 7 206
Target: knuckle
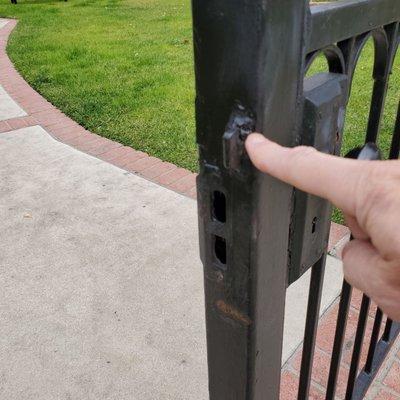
pixel 381 181
pixel 388 288
pixel 376 194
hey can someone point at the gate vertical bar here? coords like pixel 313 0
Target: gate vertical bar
pixel 310 333
pixel 249 61
pixel 341 324
pixel 395 147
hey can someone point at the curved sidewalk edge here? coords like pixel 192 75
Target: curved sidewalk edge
pixel 41 112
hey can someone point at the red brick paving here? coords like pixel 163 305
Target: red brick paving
pixel 337 235
pixel 387 382
pixel 4 126
pixel 184 184
pixel 392 380
pixel 158 170
pixel 129 158
pixel 142 164
pixel 289 386
pixel 385 395
pixel 321 370
pixel 42 112
pixel 327 326
pixel 115 153
pixel 172 176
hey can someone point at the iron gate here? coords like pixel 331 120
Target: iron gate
pixel 251 59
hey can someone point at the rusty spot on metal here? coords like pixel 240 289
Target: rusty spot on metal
pixel 232 312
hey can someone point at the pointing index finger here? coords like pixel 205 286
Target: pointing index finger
pixel 330 177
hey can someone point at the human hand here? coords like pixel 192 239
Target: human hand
pixel 368 193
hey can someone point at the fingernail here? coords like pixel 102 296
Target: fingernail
pixel 255 139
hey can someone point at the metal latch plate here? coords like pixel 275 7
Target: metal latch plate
pixel 323 119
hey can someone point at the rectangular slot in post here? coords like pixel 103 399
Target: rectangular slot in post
pixel 218 206
pixel 220 249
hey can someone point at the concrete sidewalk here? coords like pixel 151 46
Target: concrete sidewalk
pixel 102 284
pixel 102 288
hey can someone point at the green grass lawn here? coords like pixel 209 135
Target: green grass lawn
pixel 121 68
pixel 124 69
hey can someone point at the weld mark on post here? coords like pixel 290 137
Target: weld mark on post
pixel 233 313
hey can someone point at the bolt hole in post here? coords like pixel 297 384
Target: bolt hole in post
pixel 314 225
pixel 220 249
pixel 219 206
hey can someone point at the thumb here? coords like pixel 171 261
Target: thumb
pixel 366 270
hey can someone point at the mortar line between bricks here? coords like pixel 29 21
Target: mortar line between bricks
pixel 290 369
pixel 181 178
pixel 161 175
pixel 16 117
pixel 338 246
pixel 297 375
pixel 389 390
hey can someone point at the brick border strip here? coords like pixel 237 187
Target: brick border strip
pixel 42 112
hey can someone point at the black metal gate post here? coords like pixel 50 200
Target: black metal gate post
pixel 249 66
pixel 258 235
